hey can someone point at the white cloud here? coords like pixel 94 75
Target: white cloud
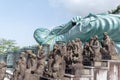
pixel 84 7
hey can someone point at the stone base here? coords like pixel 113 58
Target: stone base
pixel 98 64
pixel 81 77
pixel 86 72
pixel 46 78
pixel 101 63
pixel 116 57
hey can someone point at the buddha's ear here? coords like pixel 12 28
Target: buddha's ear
pixel 92 21
pixel 92 17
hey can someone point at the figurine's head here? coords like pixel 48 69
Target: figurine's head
pixel 42 51
pixel 105 33
pixel 77 40
pixel 22 54
pixel 86 45
pixel 17 61
pixel 73 41
pixel 55 46
pixel 63 44
pixel 91 38
pixel 95 37
pixel 38 47
pixel 29 51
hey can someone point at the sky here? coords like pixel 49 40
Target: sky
pixel 20 18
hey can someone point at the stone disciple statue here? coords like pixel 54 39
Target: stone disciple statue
pixel 40 62
pixel 19 73
pixel 105 54
pixel 96 48
pixel 2 70
pixel 50 66
pixel 88 58
pixel 63 49
pixel 79 48
pixel 31 60
pixel 16 71
pixel 58 63
pixel 108 44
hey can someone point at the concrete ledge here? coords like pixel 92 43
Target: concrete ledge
pixel 110 60
pixel 46 78
pixel 73 76
pixel 89 67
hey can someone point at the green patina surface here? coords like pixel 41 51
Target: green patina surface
pixel 82 28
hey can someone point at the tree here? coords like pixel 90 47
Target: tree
pixel 7 45
pixel 115 11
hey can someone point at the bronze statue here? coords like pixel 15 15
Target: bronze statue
pixel 96 48
pixel 108 44
pixel 58 65
pixel 68 58
pixel 40 63
pixel 50 65
pixel 22 66
pixel 69 46
pixel 31 60
pixel 105 54
pixel 79 44
pixel 34 69
pixel 88 55
pixel 68 62
pixel 63 49
pixel 79 48
pixel 16 71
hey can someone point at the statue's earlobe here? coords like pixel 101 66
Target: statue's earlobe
pixel 92 15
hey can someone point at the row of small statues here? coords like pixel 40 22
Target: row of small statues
pixel 66 58
pixel 74 51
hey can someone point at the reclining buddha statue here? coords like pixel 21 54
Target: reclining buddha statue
pixel 82 28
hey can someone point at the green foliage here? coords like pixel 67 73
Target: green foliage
pixel 115 11
pixel 7 45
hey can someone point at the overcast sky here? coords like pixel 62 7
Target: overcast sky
pixel 20 18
